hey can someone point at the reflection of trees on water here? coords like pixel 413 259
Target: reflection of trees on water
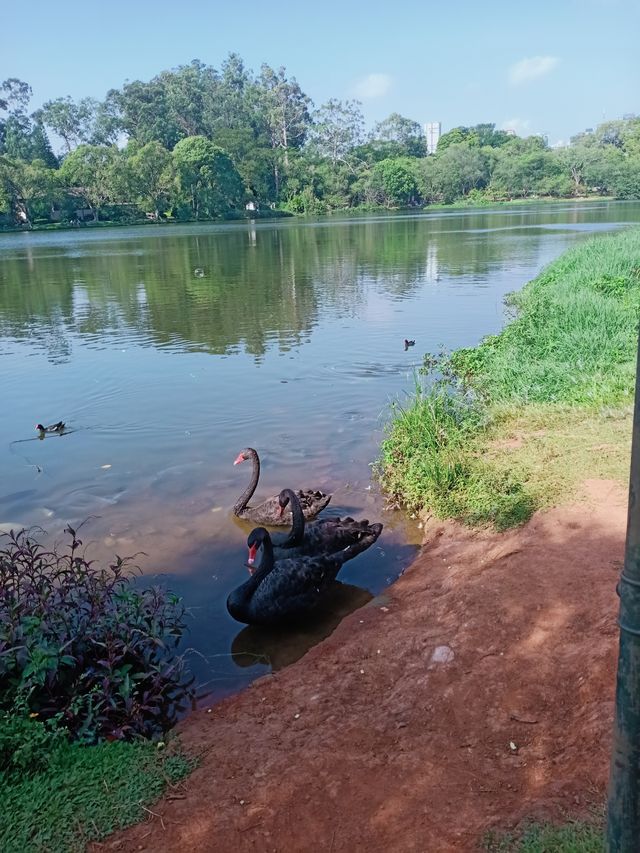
pixel 255 286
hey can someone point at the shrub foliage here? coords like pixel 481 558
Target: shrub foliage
pixel 80 645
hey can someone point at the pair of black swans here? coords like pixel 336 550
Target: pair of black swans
pixel 295 569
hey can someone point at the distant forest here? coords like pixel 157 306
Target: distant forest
pixel 200 143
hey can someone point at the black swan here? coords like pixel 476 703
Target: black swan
pixel 288 588
pixel 325 536
pixel 269 512
pixel 408 344
pixel 59 427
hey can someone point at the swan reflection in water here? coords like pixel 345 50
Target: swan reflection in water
pixel 279 647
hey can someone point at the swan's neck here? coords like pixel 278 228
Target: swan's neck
pixel 245 497
pixel 242 595
pixel 296 536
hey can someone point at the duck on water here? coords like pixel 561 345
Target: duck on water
pixel 52 428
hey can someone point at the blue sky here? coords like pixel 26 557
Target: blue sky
pixel 539 67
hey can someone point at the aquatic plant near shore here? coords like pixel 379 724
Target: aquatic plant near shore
pixel 80 644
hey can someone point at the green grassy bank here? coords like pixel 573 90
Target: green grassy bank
pixel 573 838
pixel 495 431
pixel 56 796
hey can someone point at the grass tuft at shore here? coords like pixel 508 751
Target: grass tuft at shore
pixel 519 420
pixel 572 838
pixel 56 796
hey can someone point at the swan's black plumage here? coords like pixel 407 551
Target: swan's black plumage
pixel 268 512
pixel 325 536
pixel 286 589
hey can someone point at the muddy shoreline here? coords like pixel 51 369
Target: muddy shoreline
pixel 478 696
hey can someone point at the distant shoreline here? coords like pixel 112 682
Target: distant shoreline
pixel 284 214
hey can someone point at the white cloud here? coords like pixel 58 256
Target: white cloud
pixel 531 68
pixel 372 86
pixel 520 125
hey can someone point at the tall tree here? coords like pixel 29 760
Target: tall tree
pixel 338 128
pixel 25 187
pixel 144 112
pixel 152 177
pixel 208 179
pixel 287 109
pixel 90 173
pixel 15 127
pixel 405 132
pixel 186 90
pixel 71 121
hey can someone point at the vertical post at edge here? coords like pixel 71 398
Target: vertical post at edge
pixel 623 808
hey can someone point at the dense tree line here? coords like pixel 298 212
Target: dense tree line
pixel 197 143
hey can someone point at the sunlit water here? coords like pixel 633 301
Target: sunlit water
pixel 167 349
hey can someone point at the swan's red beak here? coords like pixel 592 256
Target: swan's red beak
pixel 280 511
pixel 239 459
pixel 252 554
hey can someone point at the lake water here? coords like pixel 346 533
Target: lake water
pixel 168 349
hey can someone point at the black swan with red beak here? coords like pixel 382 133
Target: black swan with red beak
pixel 286 589
pixel 269 511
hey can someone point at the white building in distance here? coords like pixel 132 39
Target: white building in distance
pixel 432 130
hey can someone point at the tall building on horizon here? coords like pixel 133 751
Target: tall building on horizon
pixel 432 131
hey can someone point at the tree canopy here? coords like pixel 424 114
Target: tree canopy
pixel 198 142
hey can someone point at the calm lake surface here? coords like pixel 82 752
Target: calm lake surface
pixel 168 349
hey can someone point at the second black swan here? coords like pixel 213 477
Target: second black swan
pixel 324 536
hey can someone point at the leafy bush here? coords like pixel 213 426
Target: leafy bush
pixel 80 644
pixel 25 747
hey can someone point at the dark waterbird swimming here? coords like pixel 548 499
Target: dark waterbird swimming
pixel 52 428
pixel 283 590
pixel 408 344
pixel 269 511
pixel 325 536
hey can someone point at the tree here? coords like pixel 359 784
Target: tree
pixel 15 127
pixel 479 135
pixel 338 127
pixel 71 121
pixel 453 137
pixel 519 174
pixel 208 179
pixel 253 158
pixel 107 122
pixel 144 112
pixel 90 173
pixel 575 161
pixel 25 187
pixel 403 131
pixel 187 89
pixel 15 96
pixel 152 177
pixel 286 108
pixel 454 172
pixel 393 183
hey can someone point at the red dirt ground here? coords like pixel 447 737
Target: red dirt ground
pixel 376 742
